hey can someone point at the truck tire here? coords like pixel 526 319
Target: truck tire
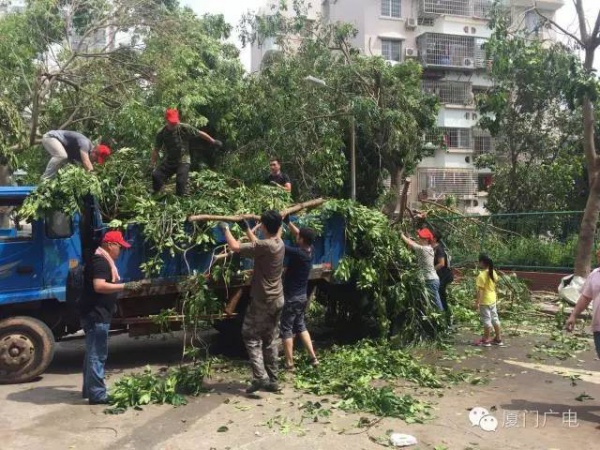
pixel 26 349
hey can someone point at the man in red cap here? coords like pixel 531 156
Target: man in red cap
pixel 65 146
pixel 98 305
pixel 173 139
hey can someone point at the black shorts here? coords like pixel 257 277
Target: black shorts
pixel 292 316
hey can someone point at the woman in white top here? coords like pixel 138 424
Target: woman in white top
pixel 425 255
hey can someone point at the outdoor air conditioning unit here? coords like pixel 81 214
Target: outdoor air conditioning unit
pixel 468 62
pixel 411 23
pixel 410 52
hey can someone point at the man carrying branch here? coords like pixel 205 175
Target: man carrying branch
pixel 261 323
pixel 173 139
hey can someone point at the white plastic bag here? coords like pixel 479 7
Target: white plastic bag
pixel 569 288
pixel 402 440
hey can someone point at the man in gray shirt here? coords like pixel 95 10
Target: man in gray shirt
pixel 261 322
pixel 65 146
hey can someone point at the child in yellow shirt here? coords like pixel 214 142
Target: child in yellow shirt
pixel 486 303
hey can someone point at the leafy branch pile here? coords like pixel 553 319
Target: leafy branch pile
pixel 170 387
pixel 351 371
pixel 383 270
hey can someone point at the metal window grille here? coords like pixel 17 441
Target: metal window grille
pixel 453 92
pixel 448 50
pixel 391 8
pixel 483 142
pixel 391 50
pixel 466 8
pixel 452 138
pixel 436 184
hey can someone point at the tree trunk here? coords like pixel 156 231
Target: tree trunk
pixel 588 230
pixel 4 212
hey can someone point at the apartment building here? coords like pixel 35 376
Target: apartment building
pixel 10 6
pixel 447 37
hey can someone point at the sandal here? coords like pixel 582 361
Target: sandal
pixel 314 362
pixel 290 368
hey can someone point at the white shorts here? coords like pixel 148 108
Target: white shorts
pixel 488 315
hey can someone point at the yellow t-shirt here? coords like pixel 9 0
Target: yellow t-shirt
pixel 488 286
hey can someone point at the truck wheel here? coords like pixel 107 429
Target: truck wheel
pixel 26 349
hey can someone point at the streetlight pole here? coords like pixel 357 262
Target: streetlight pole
pixel 322 83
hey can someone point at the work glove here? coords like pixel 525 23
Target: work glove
pixel 133 285
pixel 286 219
pixel 217 143
pixel 243 224
pixel 223 226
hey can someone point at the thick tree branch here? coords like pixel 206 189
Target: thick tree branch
pixel 563 30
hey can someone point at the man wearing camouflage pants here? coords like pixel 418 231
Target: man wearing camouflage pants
pixel 261 323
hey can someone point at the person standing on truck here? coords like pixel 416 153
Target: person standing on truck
pixel 98 305
pixel 261 322
pixel 295 291
pixel 65 146
pixel 173 139
pixel 277 177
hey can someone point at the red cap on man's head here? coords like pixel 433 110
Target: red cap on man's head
pixel 172 116
pixel 425 233
pixel 115 237
pixel 103 152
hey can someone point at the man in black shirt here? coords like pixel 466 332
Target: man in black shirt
pixel 98 305
pixel 277 177
pixel 173 139
pixel 442 268
pixel 295 287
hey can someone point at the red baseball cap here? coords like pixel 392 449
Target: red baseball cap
pixel 115 237
pixel 425 233
pixel 103 152
pixel 172 116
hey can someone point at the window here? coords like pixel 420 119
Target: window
pixel 390 8
pixel 12 227
pixel 532 22
pixel 391 50
pixel 58 225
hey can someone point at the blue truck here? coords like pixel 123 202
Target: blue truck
pixel 41 280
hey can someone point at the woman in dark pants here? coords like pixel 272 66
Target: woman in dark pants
pixel 442 268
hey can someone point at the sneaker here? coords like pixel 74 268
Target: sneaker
pixel 498 342
pixel 272 386
pixel 256 385
pixel 482 343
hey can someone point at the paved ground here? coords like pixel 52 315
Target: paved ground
pixel 49 414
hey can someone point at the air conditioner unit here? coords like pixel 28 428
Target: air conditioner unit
pixel 410 52
pixel 468 62
pixel 411 23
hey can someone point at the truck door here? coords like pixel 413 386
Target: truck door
pixel 21 253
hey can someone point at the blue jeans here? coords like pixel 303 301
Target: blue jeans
pixel 96 352
pixel 434 290
pixel 597 342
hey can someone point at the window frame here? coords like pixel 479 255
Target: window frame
pixel 386 9
pixel 391 42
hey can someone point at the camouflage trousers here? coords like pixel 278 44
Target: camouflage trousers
pixel 259 332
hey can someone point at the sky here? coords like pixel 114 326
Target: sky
pixel 234 9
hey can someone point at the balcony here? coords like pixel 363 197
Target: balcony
pixel 438 184
pixel 483 142
pixel 458 139
pixel 438 50
pixel 464 8
pixel 450 92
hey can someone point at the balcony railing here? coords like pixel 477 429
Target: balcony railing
pixel 437 184
pixel 465 8
pixel 483 142
pixel 450 92
pixel 451 51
